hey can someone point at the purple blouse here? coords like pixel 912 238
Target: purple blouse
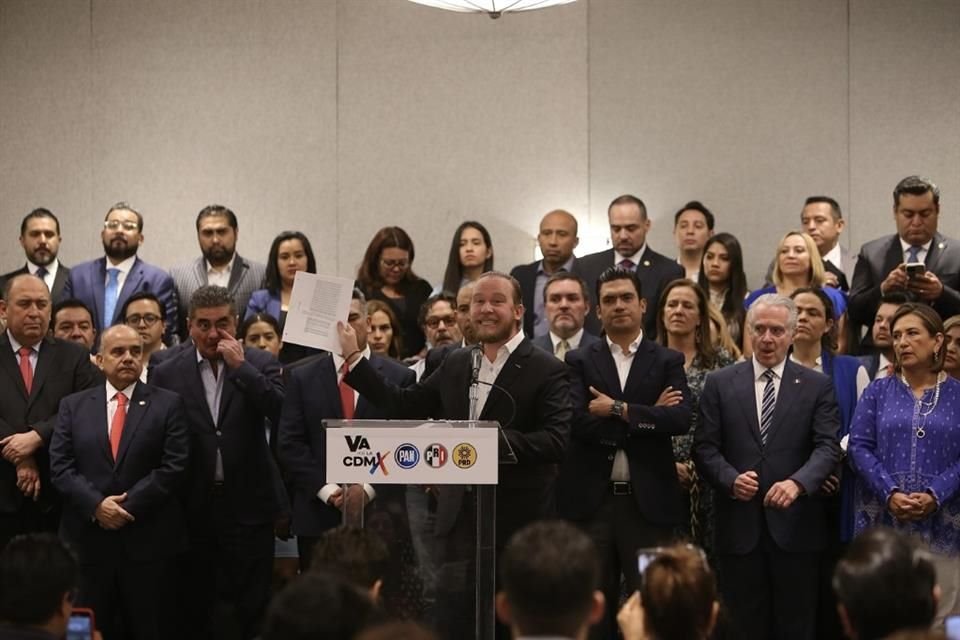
pixel 887 454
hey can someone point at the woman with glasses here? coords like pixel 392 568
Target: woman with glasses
pixel 386 274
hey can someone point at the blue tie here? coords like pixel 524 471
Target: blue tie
pixel 41 273
pixel 767 406
pixel 913 253
pixel 110 296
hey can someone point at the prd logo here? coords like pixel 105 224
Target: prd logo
pixel 464 455
pixel 406 456
pixel 435 455
pixel 364 457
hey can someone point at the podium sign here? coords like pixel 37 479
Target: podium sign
pixel 429 455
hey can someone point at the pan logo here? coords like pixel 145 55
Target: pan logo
pixel 435 455
pixel 464 455
pixel 406 456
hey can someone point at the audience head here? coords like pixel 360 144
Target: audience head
pixel 217 234
pixel 26 307
pixel 798 258
pixel 620 302
pixel 121 356
pixel 815 318
pixel 822 220
pixel 496 310
pixel 388 261
pixel 721 269
pixel 438 319
pixel 383 330
pixel 357 318
pixel 683 311
pixel 464 321
pixel 261 331
pixel 889 303
pixel 884 583
pixel 692 227
pixel 557 237
pixel 679 595
pixel 73 321
pixel 566 303
pixel 470 249
pixel 771 321
pixel 289 253
pixel 916 209
pixel 143 311
pixel 122 232
pixel 951 332
pixel 549 584
pixel 629 224
pixel 40 236
pixel 917 332
pixel 355 555
pixel 213 315
pixel 318 606
pixel 39 576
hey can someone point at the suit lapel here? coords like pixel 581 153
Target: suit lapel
pixel 130 285
pixel 642 361
pixel 136 408
pixel 58 282
pixel 603 360
pixel 236 274
pixel 893 258
pixel 200 271
pixel 98 286
pixel 194 383
pixel 97 416
pixel 512 369
pixel 8 362
pixel 46 362
pixel 786 396
pixel 329 387
pixel 937 247
pixel 746 393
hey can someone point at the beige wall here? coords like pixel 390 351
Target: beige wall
pixel 339 117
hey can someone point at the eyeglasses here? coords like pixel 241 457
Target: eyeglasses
pixel 113 225
pixel 433 323
pixel 395 264
pixel 148 319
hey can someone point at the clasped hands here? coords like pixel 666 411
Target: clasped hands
pixel 780 496
pixel 911 507
pixel 110 515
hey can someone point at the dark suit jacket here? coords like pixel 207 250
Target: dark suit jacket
pixel 252 393
pixel 646 438
pixel 537 429
pixel 150 468
pixel 245 278
pixel 59 281
pixel 62 368
pixel 879 257
pixel 526 275
pixel 435 358
pixel 655 272
pixel 312 395
pixel 545 343
pixel 87 283
pixel 802 445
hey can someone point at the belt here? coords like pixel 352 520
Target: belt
pixel 619 488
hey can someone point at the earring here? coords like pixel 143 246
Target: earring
pixel 936 355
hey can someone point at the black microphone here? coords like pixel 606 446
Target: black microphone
pixel 475 359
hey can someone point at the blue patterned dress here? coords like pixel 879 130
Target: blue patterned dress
pixel 888 455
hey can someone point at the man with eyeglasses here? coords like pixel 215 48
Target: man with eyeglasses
pixel 105 284
pixel 144 314
pixel 766 440
pixel 438 319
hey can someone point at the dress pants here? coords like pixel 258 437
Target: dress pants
pixel 130 600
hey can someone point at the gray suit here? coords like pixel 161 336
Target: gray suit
pixel 245 278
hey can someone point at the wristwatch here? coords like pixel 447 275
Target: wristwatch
pixel 617 408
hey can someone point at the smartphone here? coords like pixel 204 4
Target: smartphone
pixel 644 558
pixel 81 625
pixel 915 270
pixel 952 627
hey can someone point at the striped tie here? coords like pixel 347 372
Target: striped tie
pixel 768 405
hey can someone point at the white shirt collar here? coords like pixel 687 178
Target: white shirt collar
pixel 15 345
pixel 124 266
pixel 834 256
pixel 112 391
pixel 632 348
pixel 923 247
pixel 51 268
pixel 635 258
pixel 573 341
pixel 512 343
pixel 818 362
pixel 758 368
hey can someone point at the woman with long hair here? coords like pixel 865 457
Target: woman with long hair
pixel 383 332
pixel 951 332
pixel 471 254
pixel 723 278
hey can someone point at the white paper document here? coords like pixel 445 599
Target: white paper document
pixel 317 302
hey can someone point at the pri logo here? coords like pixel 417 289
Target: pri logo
pixel 364 457
pixel 406 456
pixel 464 455
pixel 435 455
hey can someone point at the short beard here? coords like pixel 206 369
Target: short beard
pixel 120 253
pixel 42 261
pixel 218 256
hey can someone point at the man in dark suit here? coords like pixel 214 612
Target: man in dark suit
pixel 219 264
pixel 629 225
pixel 557 239
pixel 566 303
pixel 619 480
pixel 229 392
pixel 40 239
pixel 315 392
pixel 882 264
pixel 36 372
pixel 766 441
pixel 105 284
pixel 881 362
pixel 119 456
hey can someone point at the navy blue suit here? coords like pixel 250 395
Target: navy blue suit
pixel 87 282
pixel 150 468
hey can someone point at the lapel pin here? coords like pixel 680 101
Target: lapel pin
pixel 142 403
pixel 646 263
pixel 941 245
pixel 796 381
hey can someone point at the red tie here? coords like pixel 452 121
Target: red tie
pixel 116 427
pixel 346 393
pixel 25 370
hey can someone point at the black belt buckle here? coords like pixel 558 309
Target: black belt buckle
pixel 621 488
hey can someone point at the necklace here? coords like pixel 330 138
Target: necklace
pixel 923 409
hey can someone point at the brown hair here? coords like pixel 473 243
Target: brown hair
pixel 706 351
pixel 930 320
pixel 396 344
pixel 368 275
pixel 678 594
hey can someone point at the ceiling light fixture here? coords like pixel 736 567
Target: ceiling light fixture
pixel 493 8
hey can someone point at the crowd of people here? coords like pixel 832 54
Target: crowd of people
pixel 156 420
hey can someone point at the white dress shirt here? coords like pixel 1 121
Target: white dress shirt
pixel 490 370
pixel 760 382
pixel 51 272
pixel 835 257
pixel 921 254
pixel 623 360
pixel 112 402
pixel 635 258
pixel 34 353
pixel 220 278
pixel 124 267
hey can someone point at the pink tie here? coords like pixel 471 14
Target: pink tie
pixel 116 426
pixel 626 265
pixel 25 369
pixel 346 394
